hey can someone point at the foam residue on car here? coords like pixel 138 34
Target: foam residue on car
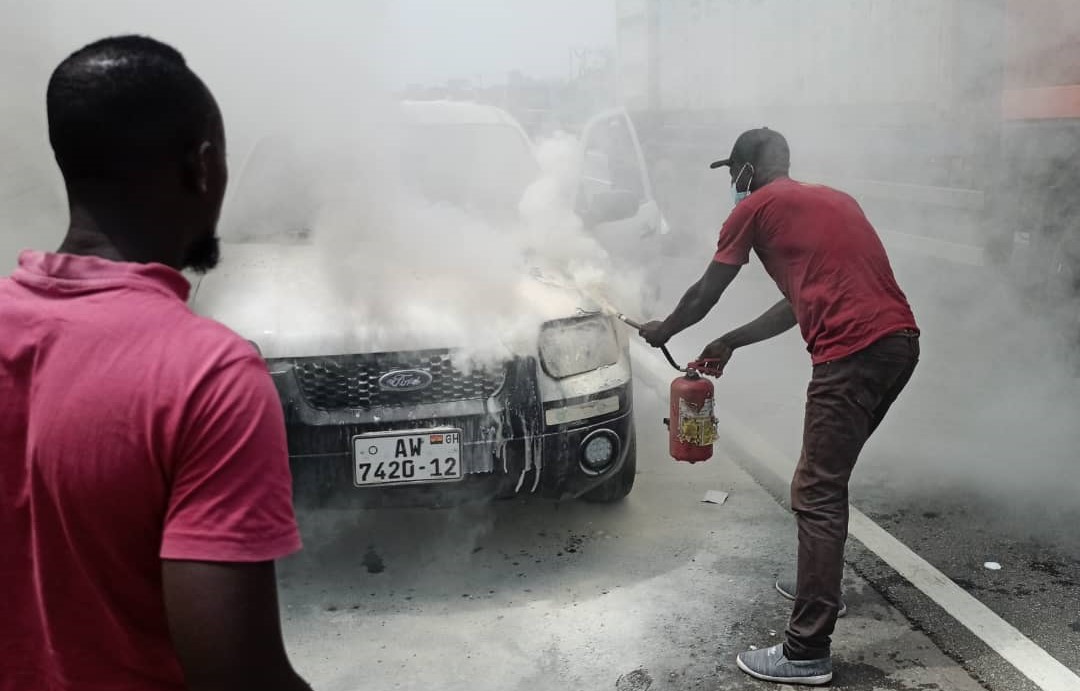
pixel 534 453
pixel 497 436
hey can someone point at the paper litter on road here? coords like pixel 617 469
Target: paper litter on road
pixel 714 496
pixel 993 566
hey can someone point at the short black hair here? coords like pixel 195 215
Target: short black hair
pixel 123 106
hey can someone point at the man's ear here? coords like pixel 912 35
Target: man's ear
pixel 197 168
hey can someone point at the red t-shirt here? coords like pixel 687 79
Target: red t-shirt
pixel 131 431
pixel 827 260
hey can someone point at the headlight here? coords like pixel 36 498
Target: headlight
pixel 598 451
pixel 575 346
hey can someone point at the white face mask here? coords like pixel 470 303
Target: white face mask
pixel 736 195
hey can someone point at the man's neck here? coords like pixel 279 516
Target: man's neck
pixel 773 178
pixel 119 237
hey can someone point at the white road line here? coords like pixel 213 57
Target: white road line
pixel 1002 637
pixel 1018 650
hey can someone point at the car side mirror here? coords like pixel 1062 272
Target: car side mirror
pixel 613 205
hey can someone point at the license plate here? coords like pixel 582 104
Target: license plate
pixel 403 458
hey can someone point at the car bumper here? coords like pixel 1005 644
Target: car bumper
pixel 512 444
pixel 545 465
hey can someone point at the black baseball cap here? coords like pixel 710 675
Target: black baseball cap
pixel 765 149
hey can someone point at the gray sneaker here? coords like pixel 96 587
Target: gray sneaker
pixel 785 585
pixel 770 664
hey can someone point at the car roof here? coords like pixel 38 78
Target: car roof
pixel 455 113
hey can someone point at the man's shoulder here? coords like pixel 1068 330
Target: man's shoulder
pixel 796 191
pixel 198 340
pixel 792 186
pixel 773 191
pixel 6 287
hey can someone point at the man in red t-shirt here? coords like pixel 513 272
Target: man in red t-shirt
pixel 838 287
pixel 144 482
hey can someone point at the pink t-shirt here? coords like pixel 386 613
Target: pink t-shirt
pixel 131 431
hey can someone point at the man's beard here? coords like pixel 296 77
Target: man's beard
pixel 204 254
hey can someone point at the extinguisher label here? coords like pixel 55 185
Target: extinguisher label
pixel 697 426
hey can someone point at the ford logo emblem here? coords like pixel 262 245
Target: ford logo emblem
pixel 403 380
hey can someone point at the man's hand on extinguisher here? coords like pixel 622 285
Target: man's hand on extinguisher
pixel 718 350
pixel 716 354
pixel 655 333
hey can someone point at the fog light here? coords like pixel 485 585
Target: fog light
pixel 598 451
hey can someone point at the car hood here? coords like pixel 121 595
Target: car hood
pixel 290 301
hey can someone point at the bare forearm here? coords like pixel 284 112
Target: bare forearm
pixel 692 308
pixel 775 321
pixel 700 298
pixel 695 304
pixel 226 626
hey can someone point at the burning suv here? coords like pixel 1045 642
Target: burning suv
pixel 429 425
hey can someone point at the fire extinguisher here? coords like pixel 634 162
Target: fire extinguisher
pixel 692 420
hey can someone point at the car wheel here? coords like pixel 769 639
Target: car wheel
pixel 618 486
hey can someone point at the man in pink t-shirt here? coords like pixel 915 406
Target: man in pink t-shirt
pixel 144 482
pixel 838 287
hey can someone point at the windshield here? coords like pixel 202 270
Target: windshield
pixel 481 168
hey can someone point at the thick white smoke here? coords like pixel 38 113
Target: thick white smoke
pixel 315 143
pixel 413 273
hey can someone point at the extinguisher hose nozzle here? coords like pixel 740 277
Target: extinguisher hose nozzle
pixel 628 321
pixel 636 325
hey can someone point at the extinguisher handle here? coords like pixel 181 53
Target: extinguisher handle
pixel 708 366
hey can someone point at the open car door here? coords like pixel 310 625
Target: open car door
pixel 616 196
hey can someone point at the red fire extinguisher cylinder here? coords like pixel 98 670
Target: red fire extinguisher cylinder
pixel 692 422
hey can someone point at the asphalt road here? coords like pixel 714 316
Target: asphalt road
pixel 662 590
pixel 975 465
pixel 659 592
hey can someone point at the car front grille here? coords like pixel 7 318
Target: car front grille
pixel 352 381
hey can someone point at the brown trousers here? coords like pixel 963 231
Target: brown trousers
pixel 845 402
